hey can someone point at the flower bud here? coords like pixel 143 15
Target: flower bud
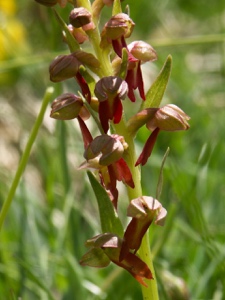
pixel 48 3
pixel 143 211
pixel 79 17
pixel 107 148
pixel 118 26
pixel 63 67
pixel 169 118
pixel 142 51
pixel 66 107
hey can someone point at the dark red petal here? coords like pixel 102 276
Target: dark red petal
pixel 123 172
pixel 84 87
pixel 112 186
pixel 135 266
pixel 130 81
pixel 148 147
pixel 104 115
pixel 87 137
pixel 118 45
pixel 117 110
pixel 133 235
pixel 139 80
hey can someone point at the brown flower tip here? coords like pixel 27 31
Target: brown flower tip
pixel 66 107
pixel 169 118
pixel 104 150
pixel 118 26
pixel 81 17
pixel 63 67
pixel 142 51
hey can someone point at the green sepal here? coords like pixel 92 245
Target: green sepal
pixel 156 91
pixel 110 221
pixel 72 43
pixel 95 258
pixel 117 9
pixel 123 67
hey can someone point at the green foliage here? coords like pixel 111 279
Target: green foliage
pixel 110 222
pixel 54 212
pixel 156 91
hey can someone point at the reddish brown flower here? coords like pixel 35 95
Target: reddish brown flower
pixel 168 118
pixel 69 106
pixel 110 91
pixel 81 17
pixel 115 31
pixel 139 52
pixel 68 66
pixel 63 67
pixel 105 153
pixel 143 211
pixel 105 248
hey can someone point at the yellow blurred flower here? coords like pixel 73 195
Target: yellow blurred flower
pixel 12 31
pixel 8 7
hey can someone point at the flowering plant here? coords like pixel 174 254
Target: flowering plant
pixel 107 78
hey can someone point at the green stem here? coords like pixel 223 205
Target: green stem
pixel 102 54
pixel 25 156
pixel 150 292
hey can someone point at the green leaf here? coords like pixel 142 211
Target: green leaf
pixel 155 93
pixel 108 216
pixel 116 8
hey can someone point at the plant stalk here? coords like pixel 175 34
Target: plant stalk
pixel 151 291
pixel 25 156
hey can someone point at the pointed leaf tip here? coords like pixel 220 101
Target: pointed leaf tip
pixel 156 91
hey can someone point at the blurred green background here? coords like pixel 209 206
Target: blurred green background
pixel 54 211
